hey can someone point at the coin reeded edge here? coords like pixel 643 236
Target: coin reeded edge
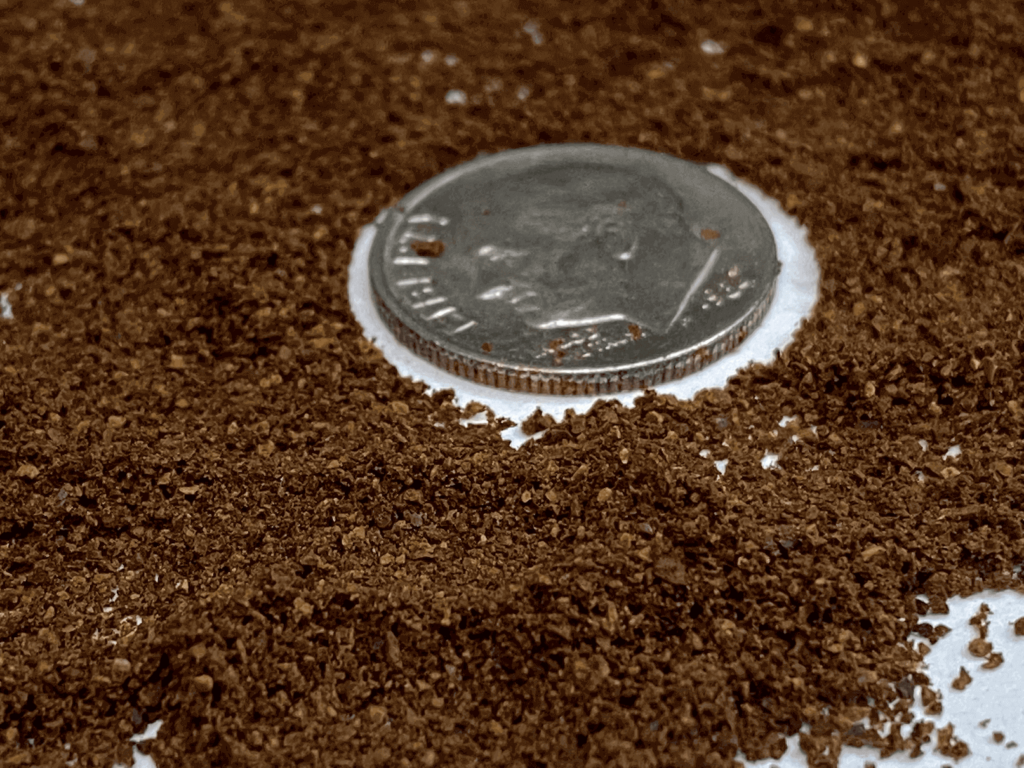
pixel 601 382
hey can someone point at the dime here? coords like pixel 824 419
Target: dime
pixel 573 269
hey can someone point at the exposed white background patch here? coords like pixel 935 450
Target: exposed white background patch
pixel 534 32
pixel 994 697
pixel 455 96
pixel 476 420
pixel 140 760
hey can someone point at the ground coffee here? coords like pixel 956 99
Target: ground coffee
pixel 221 508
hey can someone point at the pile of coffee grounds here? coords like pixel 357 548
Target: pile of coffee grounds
pixel 221 508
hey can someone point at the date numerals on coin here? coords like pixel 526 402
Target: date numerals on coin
pixel 729 288
pixel 585 343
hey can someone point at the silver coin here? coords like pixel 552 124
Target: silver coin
pixel 573 269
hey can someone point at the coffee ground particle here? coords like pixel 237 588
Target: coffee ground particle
pixel 962 680
pixel 428 248
pixel 223 509
pixel 537 422
pixel 932 702
pixel 949 745
pixel 980 620
pixel 980 648
pixel 993 660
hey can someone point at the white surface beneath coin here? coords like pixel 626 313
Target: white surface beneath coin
pixel 795 297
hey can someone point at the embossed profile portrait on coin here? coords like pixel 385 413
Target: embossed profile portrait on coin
pixel 579 247
pixel 573 268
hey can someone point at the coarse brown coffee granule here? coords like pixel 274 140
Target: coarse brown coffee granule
pixel 221 508
pixel 981 621
pixel 962 680
pixel 993 660
pixel 980 648
pixel 950 745
pixel 931 701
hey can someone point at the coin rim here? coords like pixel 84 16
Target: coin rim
pixel 548 380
